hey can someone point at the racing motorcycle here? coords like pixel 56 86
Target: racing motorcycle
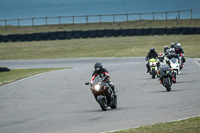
pixel 176 68
pixel 165 74
pixel 153 67
pixel 103 93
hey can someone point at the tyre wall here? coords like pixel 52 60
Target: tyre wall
pixel 62 35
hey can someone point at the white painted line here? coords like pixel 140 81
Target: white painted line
pixel 197 63
pixel 152 124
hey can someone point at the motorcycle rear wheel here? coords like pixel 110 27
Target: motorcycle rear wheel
pixel 114 105
pixel 153 73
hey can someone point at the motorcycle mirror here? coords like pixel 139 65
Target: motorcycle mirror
pixel 87 83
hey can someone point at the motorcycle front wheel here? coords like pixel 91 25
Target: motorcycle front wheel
pixel 166 83
pixel 103 104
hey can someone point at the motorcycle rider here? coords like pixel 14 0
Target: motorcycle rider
pixel 163 60
pixel 172 54
pixel 151 54
pixel 172 45
pixel 99 70
pixel 179 50
pixel 166 50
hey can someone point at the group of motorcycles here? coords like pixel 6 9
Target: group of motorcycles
pixel 105 96
pixel 167 75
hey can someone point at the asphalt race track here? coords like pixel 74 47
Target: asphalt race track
pixel 59 102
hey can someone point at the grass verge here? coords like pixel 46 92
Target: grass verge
pixel 191 125
pixel 16 74
pixel 137 46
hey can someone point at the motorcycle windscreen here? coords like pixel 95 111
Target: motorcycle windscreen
pixel 174 60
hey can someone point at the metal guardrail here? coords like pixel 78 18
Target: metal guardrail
pixel 86 18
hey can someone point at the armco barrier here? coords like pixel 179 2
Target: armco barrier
pixel 85 34
pixel 77 34
pixel 69 35
pixel 93 33
pixel 13 37
pixel 37 36
pixel 98 33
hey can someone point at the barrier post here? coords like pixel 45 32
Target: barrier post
pixel 113 18
pixel 140 16
pixel 46 20
pixel 59 20
pixel 100 18
pixel 127 17
pixel 18 23
pixel 32 21
pixel 86 19
pixel 73 19
pixel 166 15
pixel 153 16
pixel 191 13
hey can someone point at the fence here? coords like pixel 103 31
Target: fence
pixel 181 14
pixel 98 33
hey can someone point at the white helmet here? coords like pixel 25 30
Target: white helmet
pixel 178 44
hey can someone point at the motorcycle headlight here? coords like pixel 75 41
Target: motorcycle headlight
pixel 97 87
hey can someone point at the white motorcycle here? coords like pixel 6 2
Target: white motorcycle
pixel 175 65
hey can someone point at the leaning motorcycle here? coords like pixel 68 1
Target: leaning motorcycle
pixel 153 67
pixel 103 93
pixel 165 74
pixel 176 68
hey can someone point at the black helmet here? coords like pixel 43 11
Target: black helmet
pixel 172 45
pixel 176 47
pixel 98 66
pixel 152 49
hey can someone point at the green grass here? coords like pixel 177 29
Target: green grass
pixel 93 26
pixel 97 47
pixel 16 74
pixel 191 125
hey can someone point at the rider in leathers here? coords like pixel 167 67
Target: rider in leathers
pixel 163 60
pixel 172 54
pixel 179 50
pixel 99 70
pixel 152 54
